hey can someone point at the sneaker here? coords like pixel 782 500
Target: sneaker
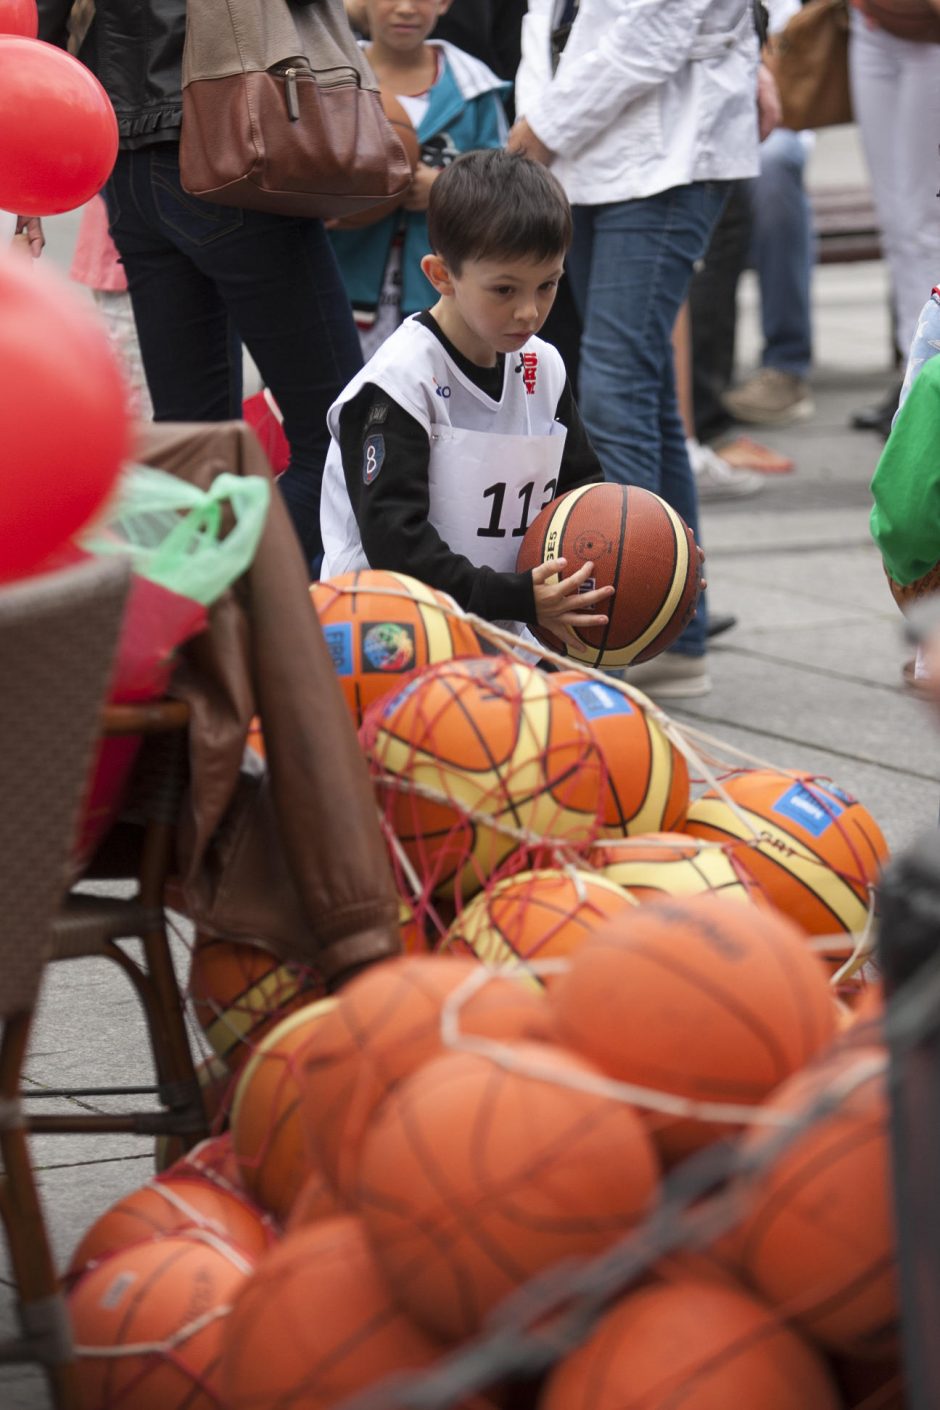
pixel 716 479
pixel 670 676
pixel 744 454
pixel 771 398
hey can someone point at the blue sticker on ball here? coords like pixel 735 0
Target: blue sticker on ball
pixel 810 810
pixel 373 457
pixel 596 701
pixel 338 639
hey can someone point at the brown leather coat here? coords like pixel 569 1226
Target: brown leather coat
pixel 290 857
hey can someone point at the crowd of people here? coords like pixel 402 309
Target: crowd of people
pixel 597 172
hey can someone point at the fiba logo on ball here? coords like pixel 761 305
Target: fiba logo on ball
pixel 388 646
pixel 593 544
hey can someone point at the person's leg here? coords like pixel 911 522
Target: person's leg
pixel 713 305
pixel 642 257
pixel 190 351
pixel 917 179
pixel 782 252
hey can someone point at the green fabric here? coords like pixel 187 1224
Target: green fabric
pixel 905 520
pixel 172 532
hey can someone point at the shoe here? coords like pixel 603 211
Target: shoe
pixel 670 676
pixel 771 398
pixel 878 417
pixel 716 479
pixel 917 682
pixel 719 623
pixel 744 454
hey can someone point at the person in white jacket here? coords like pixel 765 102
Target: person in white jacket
pixel 645 110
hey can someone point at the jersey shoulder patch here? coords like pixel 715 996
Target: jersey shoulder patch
pixel 373 457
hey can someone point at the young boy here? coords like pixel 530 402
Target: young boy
pixel 462 426
pixel 455 104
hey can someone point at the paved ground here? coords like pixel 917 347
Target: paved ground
pixel 809 679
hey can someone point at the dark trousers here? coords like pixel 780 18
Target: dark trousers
pixel 713 307
pixel 204 278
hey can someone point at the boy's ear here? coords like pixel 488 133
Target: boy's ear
pixel 437 272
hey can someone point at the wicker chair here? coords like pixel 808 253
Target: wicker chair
pixel 57 640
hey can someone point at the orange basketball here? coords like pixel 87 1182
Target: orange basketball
pixel 380 626
pixel 317 1201
pixel 476 1175
pixel 213 1160
pixel 815 851
pixel 636 542
pixel 238 992
pixel 406 134
pixel 385 1025
pixel 472 759
pixel 171 1206
pixel 267 1126
pixel 647 776
pixel 537 915
pixel 316 1323
pixel 674 864
pixel 691 1345
pixel 165 1302
pixel 818 1239
pixel 697 998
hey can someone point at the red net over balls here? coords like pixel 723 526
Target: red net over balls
pixel 474 759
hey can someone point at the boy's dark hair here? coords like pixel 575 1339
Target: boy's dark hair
pixel 493 204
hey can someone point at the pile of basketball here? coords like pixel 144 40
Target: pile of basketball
pixel 404 1157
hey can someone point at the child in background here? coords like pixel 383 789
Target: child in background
pixel 455 104
pixel 463 425
pixel 96 264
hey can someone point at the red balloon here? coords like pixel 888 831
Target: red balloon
pixel 58 132
pixel 19 17
pixel 64 429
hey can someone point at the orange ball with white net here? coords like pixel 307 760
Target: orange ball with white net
pixel 380 626
pixel 536 915
pixel 477 1174
pixel 212 1159
pixel 475 758
pixel 267 1123
pixel 147 1324
pixel 664 864
pixel 698 999
pixel 818 1238
pixel 317 1201
pixel 316 1323
pixel 647 775
pixel 691 1345
pixel 815 851
pixel 171 1206
pixel 238 992
pixel 386 1024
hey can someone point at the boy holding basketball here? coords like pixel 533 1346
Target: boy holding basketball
pixel 463 426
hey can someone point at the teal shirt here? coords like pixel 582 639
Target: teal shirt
pixel 469 123
pixel 905 520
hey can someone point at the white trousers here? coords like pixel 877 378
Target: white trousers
pixel 896 96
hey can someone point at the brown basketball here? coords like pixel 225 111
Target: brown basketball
pixel 406 134
pixel 637 543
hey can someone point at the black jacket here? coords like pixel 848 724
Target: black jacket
pixel 135 47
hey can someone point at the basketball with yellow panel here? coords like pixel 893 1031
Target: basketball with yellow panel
pixel 536 915
pixel 637 544
pixel 814 850
pixel 673 864
pixel 473 758
pixel 380 626
pixel 647 787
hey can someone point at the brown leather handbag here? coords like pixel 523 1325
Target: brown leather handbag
pixel 281 111
pixel 810 61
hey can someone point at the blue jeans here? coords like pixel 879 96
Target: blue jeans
pixel 782 252
pixel 630 267
pixel 202 279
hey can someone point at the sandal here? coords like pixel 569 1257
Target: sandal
pixel 746 454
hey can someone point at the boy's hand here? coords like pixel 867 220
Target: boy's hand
pixel 419 191
pixel 562 604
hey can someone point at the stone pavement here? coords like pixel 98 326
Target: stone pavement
pixel 810 679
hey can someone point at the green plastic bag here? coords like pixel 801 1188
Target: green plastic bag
pixel 172 531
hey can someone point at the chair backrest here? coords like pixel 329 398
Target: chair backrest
pixel 58 636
